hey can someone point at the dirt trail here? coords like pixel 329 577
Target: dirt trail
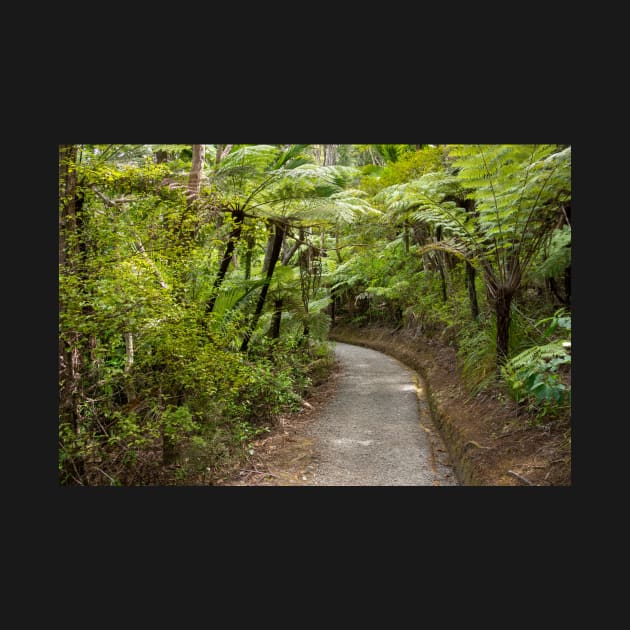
pixel 377 430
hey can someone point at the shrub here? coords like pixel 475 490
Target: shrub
pixel 534 376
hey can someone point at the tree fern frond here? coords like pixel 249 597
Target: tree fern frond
pixel 451 246
pixel 234 296
pixel 259 157
pixel 292 157
pixel 343 206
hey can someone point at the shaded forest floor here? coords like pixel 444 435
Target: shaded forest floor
pixel 491 441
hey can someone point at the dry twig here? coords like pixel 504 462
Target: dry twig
pixel 515 474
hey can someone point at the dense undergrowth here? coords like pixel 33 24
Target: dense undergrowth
pixel 188 419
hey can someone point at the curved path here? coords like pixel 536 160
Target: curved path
pixel 375 430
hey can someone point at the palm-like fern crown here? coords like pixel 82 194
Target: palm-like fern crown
pixel 270 181
pixel 515 187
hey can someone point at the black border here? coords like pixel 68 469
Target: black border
pixel 293 516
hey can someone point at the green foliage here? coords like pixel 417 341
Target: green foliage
pixel 178 421
pixel 555 258
pixel 534 375
pixel 409 166
pixel 477 352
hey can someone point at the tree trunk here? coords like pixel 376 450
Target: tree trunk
pixel 222 151
pixel 502 304
pixel 251 242
pixel 337 250
pixel 472 293
pixel 196 171
pixel 440 258
pixel 276 248
pixel 269 248
pixel 235 234
pixel 333 306
pixel 442 276
pixel 330 154
pixel 130 389
pixel 274 328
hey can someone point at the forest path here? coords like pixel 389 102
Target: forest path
pixel 377 429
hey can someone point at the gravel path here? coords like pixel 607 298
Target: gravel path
pixel 374 431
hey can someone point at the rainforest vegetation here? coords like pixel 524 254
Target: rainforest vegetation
pixel 198 284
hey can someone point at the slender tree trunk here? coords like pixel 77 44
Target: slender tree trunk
pixel 280 231
pixel 186 232
pixel 235 234
pixel 337 250
pixel 194 189
pixel 251 242
pixel 333 305
pixel 472 292
pixel 269 248
pixel 274 328
pixel 130 389
pixel 440 258
pixel 442 276
pixel 196 171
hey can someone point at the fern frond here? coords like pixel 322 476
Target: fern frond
pixel 232 297
pixel 451 246
pixel 258 157
pixel 538 354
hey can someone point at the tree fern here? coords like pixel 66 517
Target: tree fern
pixel 517 191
